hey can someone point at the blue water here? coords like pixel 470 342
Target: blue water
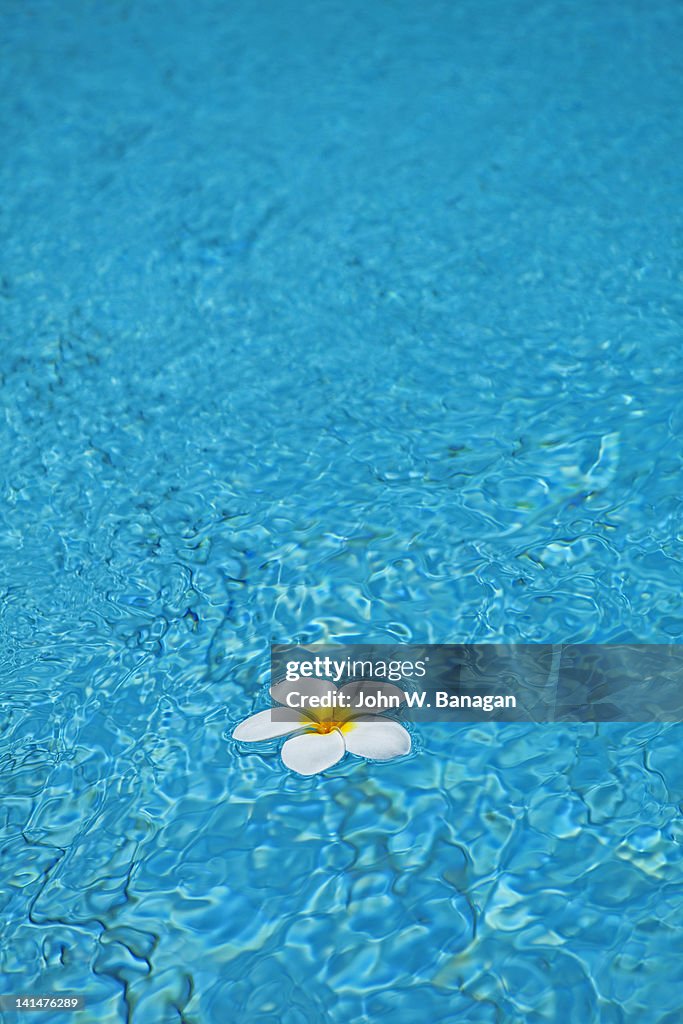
pixel 335 322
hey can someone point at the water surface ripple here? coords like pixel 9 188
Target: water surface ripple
pixel 335 321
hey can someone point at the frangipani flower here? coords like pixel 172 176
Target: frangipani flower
pixel 320 736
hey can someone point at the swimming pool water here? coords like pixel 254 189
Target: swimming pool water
pixel 335 322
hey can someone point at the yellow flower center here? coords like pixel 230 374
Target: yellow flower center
pixel 324 726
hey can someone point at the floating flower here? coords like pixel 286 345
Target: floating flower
pixel 324 722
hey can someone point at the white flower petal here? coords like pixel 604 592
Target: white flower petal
pixel 373 687
pixel 313 752
pixel 266 726
pixel 376 737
